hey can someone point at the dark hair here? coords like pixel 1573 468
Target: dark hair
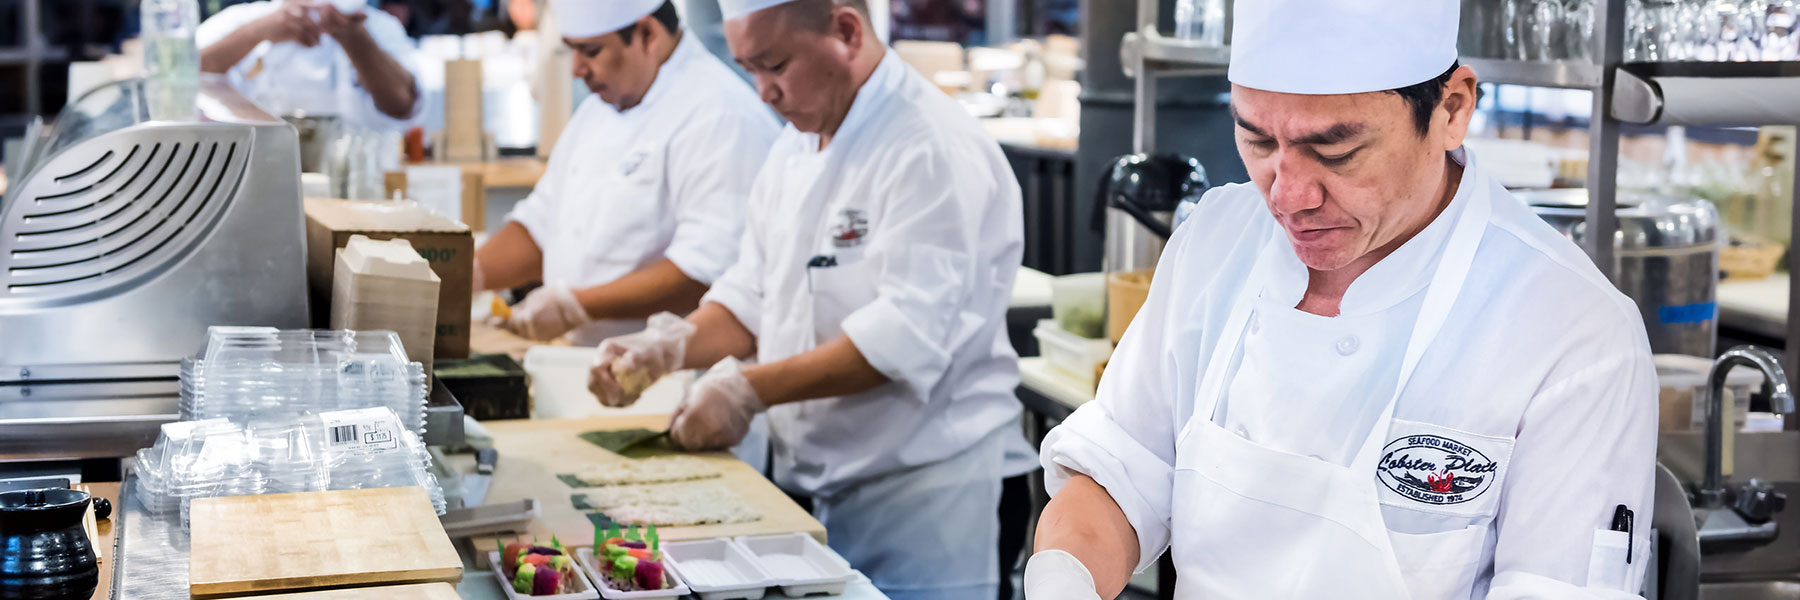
pixel 664 14
pixel 1423 98
pixel 815 15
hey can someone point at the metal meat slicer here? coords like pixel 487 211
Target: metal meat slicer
pixel 127 237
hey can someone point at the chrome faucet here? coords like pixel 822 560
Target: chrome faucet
pixel 1712 492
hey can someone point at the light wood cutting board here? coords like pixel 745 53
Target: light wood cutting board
pixel 417 591
pixel 315 540
pixel 533 452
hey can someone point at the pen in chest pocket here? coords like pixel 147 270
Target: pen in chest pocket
pixel 821 261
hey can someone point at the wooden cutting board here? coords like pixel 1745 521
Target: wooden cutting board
pixel 315 540
pixel 533 452
pixel 417 591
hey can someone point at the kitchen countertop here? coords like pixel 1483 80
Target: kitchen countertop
pixel 522 172
pixel 104 542
pixel 533 452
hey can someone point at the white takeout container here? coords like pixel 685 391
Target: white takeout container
pixel 674 587
pixel 718 569
pixel 586 590
pixel 800 564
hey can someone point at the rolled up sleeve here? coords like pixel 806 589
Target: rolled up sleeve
pixel 1586 445
pixel 1125 439
pixel 719 157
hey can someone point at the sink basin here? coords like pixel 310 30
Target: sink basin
pixel 1759 590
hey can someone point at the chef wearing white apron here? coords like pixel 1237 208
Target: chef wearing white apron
pixel 316 58
pixel 1462 416
pixel 643 200
pixel 879 253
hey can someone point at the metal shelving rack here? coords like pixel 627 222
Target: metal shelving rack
pixel 1637 93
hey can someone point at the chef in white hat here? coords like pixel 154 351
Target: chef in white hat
pixel 316 57
pixel 1369 373
pixel 643 200
pixel 879 253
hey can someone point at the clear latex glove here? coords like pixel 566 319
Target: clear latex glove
pixel 547 312
pixel 717 409
pixel 626 365
pixel 1057 575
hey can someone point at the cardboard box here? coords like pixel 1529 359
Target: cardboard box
pixel 446 244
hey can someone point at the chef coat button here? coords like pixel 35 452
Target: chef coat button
pixel 1242 432
pixel 1348 345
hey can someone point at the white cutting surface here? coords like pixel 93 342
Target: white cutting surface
pixel 559 377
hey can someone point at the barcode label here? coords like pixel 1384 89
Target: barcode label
pixel 343 435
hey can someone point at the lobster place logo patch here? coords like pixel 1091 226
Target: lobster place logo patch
pixel 1435 469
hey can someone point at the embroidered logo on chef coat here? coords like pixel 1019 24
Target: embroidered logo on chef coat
pixel 633 161
pixel 1440 469
pixel 851 228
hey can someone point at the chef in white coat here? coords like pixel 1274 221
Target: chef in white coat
pixel 878 260
pixel 339 58
pixel 1369 373
pixel 643 200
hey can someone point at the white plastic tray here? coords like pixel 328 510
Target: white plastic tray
pixel 587 591
pixel 673 586
pixel 718 569
pixel 800 564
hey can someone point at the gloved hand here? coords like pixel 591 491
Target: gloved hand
pixel 1057 575
pixel 626 365
pixel 547 312
pixel 717 410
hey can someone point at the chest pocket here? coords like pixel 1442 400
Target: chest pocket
pixel 626 218
pixel 1445 482
pixel 840 279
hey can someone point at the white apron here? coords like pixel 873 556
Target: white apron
pixel 1314 527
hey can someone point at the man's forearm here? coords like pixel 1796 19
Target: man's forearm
pixel 389 83
pixel 834 369
pixel 660 287
pixel 1084 521
pixel 717 334
pixel 509 259
pixel 231 49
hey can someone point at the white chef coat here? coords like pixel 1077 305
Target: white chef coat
pixel 1566 404
pixel 919 211
pixel 664 179
pixel 287 78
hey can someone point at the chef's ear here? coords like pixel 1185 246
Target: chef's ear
pixel 1457 107
pixel 849 27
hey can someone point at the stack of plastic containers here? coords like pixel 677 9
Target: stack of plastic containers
pixel 337 450
pixel 250 373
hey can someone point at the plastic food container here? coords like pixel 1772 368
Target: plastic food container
pixel 718 569
pixel 800 564
pixel 1075 355
pixel 586 589
pixel 1078 303
pixel 673 587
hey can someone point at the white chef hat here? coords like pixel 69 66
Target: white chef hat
pixel 1341 46
pixel 732 9
pixel 588 18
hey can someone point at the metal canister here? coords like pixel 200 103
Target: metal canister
pixel 1667 253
